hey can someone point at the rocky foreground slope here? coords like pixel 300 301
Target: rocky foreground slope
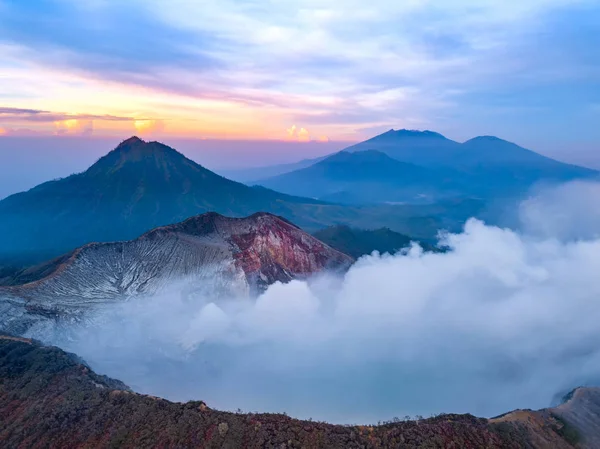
pixel 205 256
pixel 49 399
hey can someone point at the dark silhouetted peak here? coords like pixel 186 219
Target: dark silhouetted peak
pixel 426 148
pixel 407 135
pixel 133 140
pixel 149 157
pixel 135 146
pixel 131 146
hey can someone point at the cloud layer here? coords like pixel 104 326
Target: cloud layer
pixel 504 320
pixel 63 123
pixel 249 68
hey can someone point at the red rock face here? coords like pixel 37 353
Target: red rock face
pixel 271 250
pixel 268 248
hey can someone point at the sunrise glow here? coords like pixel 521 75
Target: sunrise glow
pixel 293 72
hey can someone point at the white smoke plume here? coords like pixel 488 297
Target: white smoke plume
pixel 503 320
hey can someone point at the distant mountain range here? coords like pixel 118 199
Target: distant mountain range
pixel 253 174
pixel 205 256
pixel 415 167
pixel 369 176
pixel 430 149
pixel 48 395
pixel 426 148
pixel 414 183
pixel 142 185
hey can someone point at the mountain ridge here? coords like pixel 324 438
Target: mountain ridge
pixel 424 138
pixel 49 395
pixel 365 176
pixel 134 188
pixel 141 185
pixel 482 167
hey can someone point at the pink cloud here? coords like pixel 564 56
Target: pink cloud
pixel 20 132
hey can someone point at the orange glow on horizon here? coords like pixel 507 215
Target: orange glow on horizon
pixel 303 135
pixel 102 108
pixel 73 126
pixel 147 126
pixel 299 134
pixel 71 123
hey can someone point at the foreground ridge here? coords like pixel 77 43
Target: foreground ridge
pixel 49 398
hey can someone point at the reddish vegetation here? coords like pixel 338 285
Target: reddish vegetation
pixel 50 399
pixel 266 247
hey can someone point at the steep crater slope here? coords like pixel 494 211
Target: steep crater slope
pixel 205 256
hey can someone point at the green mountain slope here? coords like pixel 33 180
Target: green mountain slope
pixel 360 242
pixel 136 187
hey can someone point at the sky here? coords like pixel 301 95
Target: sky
pixel 302 70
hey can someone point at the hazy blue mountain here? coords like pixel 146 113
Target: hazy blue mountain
pixel 426 148
pixel 417 166
pixel 136 187
pixel 491 152
pixel 366 177
pixel 253 174
pixel 479 156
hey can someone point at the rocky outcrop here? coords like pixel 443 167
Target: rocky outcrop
pixel 49 399
pixel 580 411
pixel 576 420
pixel 208 255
